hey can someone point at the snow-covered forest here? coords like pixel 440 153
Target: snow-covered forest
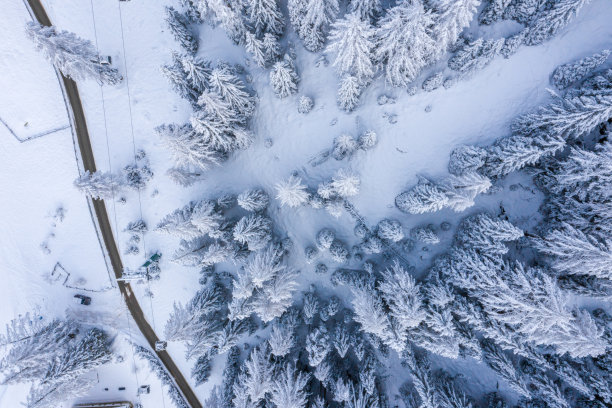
pixel 317 267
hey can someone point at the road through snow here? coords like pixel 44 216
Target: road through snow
pixel 105 227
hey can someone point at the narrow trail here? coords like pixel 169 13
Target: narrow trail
pixel 105 227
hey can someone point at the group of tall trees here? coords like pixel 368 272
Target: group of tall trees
pixel 535 136
pixel 56 357
pixel 229 230
pixel 218 126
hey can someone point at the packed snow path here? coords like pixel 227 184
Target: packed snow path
pixel 105 227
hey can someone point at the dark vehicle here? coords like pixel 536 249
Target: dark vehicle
pixel 82 300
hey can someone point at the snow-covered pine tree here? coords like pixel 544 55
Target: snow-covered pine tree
pixel 99 185
pixel 254 200
pixel 224 82
pixel 422 198
pixel 515 152
pixel 530 302
pixel 179 26
pixel 493 12
pixel 451 17
pixel 188 149
pixel 465 159
pixel 349 92
pixel 255 47
pixel 31 345
pixel 574 253
pixel 487 234
pixel 506 369
pixel 196 317
pixel 64 377
pixel 366 9
pixel 462 190
pixel 265 16
pixel 318 345
pixel 289 389
pixel 351 39
pixel 179 80
pixel 401 294
pixel 201 370
pixel 405 42
pixel 256 379
pixel 311 20
pixel 226 14
pixel 571 116
pixel 292 192
pixel 282 338
pixel 390 229
pixel 197 70
pixel 283 78
pixel 583 173
pixel 475 56
pixel 565 75
pixel 75 57
pixel 345 183
pixel 253 230
pixel 271 47
pixel 548 21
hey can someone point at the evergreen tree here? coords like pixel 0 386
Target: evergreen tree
pixel 401 294
pixel 405 42
pixel 530 302
pixel 188 149
pixel 451 17
pixel 475 55
pixel 464 159
pixel 550 20
pixel 349 93
pixel 179 80
pixel 265 16
pixel 255 47
pixel 75 57
pixel 292 192
pixel 564 75
pixel 352 40
pixel 283 78
pixel 254 200
pixel 390 230
pixel 179 26
pixel 575 114
pixel 573 252
pixel 227 85
pixel 253 230
pixel 99 185
pixel 271 47
pixel 227 14
pixel 515 152
pixel 201 370
pixel 424 197
pixel 31 345
pixel 197 70
pixel 289 389
pixel 311 20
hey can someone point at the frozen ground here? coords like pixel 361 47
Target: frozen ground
pixel 477 110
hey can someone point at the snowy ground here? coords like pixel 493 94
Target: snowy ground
pixel 477 110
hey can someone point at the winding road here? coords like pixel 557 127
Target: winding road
pixel 105 228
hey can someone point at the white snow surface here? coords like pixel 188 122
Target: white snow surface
pixel 38 175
